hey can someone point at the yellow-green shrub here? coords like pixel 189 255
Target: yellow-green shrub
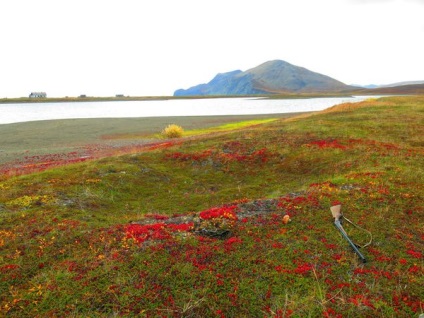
pixel 27 201
pixel 173 131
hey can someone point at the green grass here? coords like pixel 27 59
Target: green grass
pixel 228 127
pixel 68 247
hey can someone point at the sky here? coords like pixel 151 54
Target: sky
pixel 152 48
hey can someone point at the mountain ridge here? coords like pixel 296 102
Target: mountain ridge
pixel 271 77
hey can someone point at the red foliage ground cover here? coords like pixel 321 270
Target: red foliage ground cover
pixel 38 163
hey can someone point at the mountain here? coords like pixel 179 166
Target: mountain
pixel 272 77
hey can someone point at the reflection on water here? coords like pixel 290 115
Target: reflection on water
pixel 13 113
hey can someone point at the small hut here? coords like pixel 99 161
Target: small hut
pixel 38 95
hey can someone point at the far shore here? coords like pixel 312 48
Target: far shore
pixel 152 98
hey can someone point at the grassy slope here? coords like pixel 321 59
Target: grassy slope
pixel 67 248
pixel 39 138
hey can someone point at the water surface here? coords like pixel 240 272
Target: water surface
pixel 14 113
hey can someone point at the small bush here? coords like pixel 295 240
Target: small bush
pixel 173 131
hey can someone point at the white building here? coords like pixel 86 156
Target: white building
pixel 38 95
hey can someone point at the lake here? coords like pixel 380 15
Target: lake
pixel 15 113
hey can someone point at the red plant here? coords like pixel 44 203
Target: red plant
pixel 226 212
pixel 8 267
pixel 262 155
pixel 329 143
pixel 158 231
pixel 415 254
pixel 303 269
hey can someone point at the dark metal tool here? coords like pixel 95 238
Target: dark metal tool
pixel 335 210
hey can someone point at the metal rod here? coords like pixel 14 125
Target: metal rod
pixel 340 227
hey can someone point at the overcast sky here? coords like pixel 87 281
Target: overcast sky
pixel 153 47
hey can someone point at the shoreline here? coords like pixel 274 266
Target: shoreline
pixel 16 113
pixel 196 118
pixel 38 138
pixel 27 100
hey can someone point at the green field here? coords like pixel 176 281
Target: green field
pixel 195 227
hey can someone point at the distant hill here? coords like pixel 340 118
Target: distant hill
pixel 366 86
pixel 402 84
pixel 408 83
pixel 417 89
pixel 272 77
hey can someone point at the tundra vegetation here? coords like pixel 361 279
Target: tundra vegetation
pixel 173 131
pixel 197 227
